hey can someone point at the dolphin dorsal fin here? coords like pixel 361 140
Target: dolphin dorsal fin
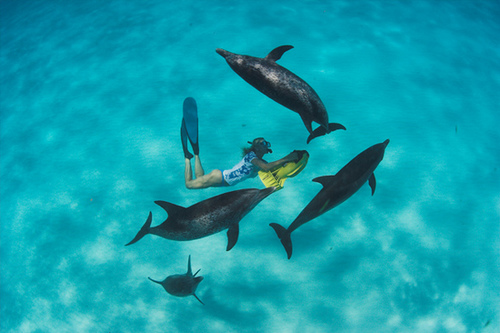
pixel 276 54
pixel 170 208
pixel 189 272
pixel 324 180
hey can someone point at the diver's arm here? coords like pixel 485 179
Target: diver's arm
pixel 271 165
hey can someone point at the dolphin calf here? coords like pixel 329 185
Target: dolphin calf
pixel 336 189
pixel 182 285
pixel 206 217
pixel 282 86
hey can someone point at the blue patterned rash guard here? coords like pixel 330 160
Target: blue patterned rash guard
pixel 241 171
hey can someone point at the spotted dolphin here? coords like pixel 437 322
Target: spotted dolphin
pixel 206 217
pixel 282 86
pixel 336 189
pixel 182 285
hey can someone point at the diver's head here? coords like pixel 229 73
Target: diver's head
pixel 260 145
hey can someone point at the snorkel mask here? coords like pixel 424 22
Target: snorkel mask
pixel 264 143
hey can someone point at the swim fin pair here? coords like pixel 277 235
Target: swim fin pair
pixel 189 127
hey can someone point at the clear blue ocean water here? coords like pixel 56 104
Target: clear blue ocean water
pixel 91 99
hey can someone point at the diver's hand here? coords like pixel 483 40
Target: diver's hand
pixel 292 157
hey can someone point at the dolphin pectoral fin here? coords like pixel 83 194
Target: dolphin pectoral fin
pixel 284 235
pixel 276 54
pixel 320 131
pixel 307 123
pixel 198 298
pixel 372 182
pixel 144 230
pixel 232 235
pixel 154 280
pixel 170 208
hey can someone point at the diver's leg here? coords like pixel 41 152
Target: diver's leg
pixel 214 178
pixel 188 173
pixel 198 169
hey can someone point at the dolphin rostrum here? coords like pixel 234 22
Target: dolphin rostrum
pixel 336 189
pixel 182 285
pixel 206 217
pixel 282 86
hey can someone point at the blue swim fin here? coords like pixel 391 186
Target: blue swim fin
pixel 187 154
pixel 190 123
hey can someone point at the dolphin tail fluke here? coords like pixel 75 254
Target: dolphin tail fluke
pixel 335 126
pixel 144 230
pixel 322 131
pixel 284 236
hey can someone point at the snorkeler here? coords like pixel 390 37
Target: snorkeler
pixel 248 167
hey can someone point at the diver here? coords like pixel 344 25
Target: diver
pixel 248 167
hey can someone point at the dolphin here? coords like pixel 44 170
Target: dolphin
pixel 206 217
pixel 182 285
pixel 282 86
pixel 336 189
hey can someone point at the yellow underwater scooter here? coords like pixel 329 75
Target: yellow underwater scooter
pixel 276 177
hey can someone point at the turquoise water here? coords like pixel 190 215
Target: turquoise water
pixel 91 106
